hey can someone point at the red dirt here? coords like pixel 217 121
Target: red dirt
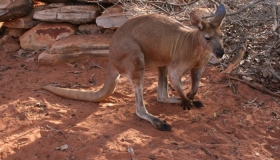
pixel 237 121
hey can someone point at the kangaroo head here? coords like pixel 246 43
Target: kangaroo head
pixel 210 35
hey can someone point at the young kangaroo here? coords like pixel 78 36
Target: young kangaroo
pixel 157 41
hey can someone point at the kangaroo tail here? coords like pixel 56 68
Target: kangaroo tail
pixel 87 95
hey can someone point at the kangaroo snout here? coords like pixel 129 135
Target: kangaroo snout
pixel 219 52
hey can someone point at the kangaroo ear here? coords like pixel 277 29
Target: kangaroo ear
pixel 197 22
pixel 219 16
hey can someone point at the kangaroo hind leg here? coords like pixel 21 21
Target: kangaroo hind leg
pixel 136 77
pixel 163 87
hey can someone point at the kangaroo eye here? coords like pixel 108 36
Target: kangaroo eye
pixel 207 38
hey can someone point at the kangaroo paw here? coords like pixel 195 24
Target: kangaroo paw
pixel 186 104
pixel 161 125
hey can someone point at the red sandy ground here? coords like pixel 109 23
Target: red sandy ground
pixel 237 121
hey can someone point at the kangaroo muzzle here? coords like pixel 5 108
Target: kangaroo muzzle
pixel 219 52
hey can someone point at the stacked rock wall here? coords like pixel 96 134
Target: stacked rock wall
pixel 48 24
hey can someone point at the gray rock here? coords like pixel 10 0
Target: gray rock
pixel 11 9
pixel 75 14
pixel 113 17
pixel 24 22
pixel 55 5
pixel 75 47
pixel 45 34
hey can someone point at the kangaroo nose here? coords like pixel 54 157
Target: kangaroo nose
pixel 219 53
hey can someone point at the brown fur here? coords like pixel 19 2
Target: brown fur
pixel 157 41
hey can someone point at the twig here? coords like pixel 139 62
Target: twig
pixel 250 102
pixel 206 151
pixel 172 4
pixel 274 73
pixel 74 72
pixel 242 74
pixel 52 128
pixel 160 8
pixel 240 10
pixel 210 131
pixel 244 8
pixel 254 85
pixel 95 65
pixel 238 57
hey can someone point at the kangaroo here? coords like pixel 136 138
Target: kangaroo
pixel 157 41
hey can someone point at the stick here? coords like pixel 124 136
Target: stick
pixel 245 7
pixel 254 85
pixel 240 10
pixel 237 59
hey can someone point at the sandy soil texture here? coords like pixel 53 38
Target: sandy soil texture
pixel 237 121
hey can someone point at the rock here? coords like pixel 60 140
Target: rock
pixel 26 21
pixel 113 17
pixel 88 28
pixel 62 148
pixel 7 39
pixel 57 1
pixel 56 5
pixel 9 43
pixel 15 32
pixel 11 47
pixel 75 14
pixel 99 1
pixel 11 9
pixel 45 34
pixel 76 47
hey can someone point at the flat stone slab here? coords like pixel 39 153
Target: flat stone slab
pixel 75 14
pixel 99 1
pixel 12 9
pixel 56 1
pixel 113 17
pixel 25 22
pixel 75 47
pixel 45 34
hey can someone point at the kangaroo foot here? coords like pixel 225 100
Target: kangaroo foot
pixel 161 125
pixel 169 100
pixel 197 104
